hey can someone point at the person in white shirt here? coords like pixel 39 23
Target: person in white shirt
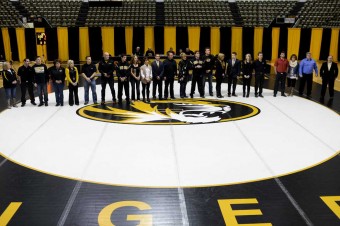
pixel 146 77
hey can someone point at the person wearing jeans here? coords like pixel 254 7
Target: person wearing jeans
pixel 10 84
pixel 58 78
pixel 41 78
pixel 89 73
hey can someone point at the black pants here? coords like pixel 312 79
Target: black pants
pixel 112 88
pixel 135 84
pixel 146 88
pixel 182 89
pixel 291 82
pixel 259 79
pixel 197 79
pixel 280 79
pixel 219 80
pixel 169 81
pixel 246 85
pixel 330 82
pixel 232 82
pixel 309 79
pixel 123 85
pixel 27 86
pixel 209 77
pixel 158 83
pixel 73 95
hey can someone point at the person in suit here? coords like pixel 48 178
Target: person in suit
pixel 233 70
pixel 157 77
pixel 328 72
pixel 170 72
pixel 219 73
pixel 10 84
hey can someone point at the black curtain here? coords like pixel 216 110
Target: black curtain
pixel 266 44
pixel 306 34
pixel 283 41
pixel 14 43
pixel 120 46
pixel 225 41
pixel 73 44
pixel 204 38
pixel 95 42
pixel 31 43
pixel 325 43
pixel 182 38
pixel 159 39
pixel 138 39
pixel 2 48
pixel 247 42
pixel 51 43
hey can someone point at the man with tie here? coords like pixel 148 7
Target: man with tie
pixel 157 76
pixel 306 68
pixel 328 72
pixel 233 70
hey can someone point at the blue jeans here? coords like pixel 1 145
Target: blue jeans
pixel 10 93
pixel 59 92
pixel 42 90
pixel 87 86
pixel 208 77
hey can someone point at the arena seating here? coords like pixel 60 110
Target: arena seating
pixel 8 15
pixel 262 13
pixel 198 12
pixel 57 13
pixel 131 13
pixel 320 14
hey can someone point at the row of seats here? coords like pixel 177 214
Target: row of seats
pixel 8 15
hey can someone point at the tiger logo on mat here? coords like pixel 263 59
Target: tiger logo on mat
pixel 170 112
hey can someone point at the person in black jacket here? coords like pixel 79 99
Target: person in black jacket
pixel 219 73
pixel 234 70
pixel 57 74
pixel 157 77
pixel 328 72
pixel 123 74
pixel 89 73
pixel 10 83
pixel 208 66
pixel 41 78
pixel 106 68
pixel 197 75
pixel 25 73
pixel 183 67
pixel 247 72
pixel 260 67
pixel 170 71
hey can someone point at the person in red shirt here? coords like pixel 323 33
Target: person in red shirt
pixel 281 69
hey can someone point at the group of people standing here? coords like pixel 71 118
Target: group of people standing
pixel 163 73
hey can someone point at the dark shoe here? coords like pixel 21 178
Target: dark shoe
pixel 173 98
pixel 256 95
pixel 23 104
pixel 161 98
pixel 71 104
pixel 211 94
pixel 86 103
pixel 309 96
pixel 95 102
pixel 144 100
pixel 244 95
pixel 261 95
pixel 191 95
pixel 202 96
pixel 40 104
pixel 234 95
pixel 220 96
pixel 62 104
pixel 322 100
pixel 229 95
pixel 33 103
pixel 57 105
pixel 77 104
pixel 154 98
pixel 148 100
pixel 120 102
pixel 274 95
pixel 331 98
pixel 283 95
pixel 46 104
pixel 247 95
pixel 102 103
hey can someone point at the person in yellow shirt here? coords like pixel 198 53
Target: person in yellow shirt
pixel 72 78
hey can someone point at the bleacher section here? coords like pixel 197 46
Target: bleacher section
pixel 57 13
pixel 131 13
pixel 8 14
pixel 198 12
pixel 317 13
pixel 262 13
